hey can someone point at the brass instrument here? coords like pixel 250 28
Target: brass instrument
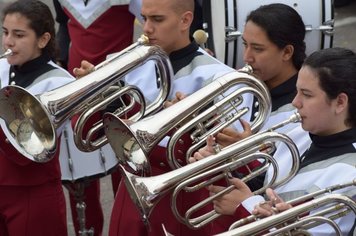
pixel 32 122
pixel 295 220
pixel 133 142
pixel 8 52
pixel 147 191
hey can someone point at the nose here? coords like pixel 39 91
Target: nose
pixel 147 27
pixel 296 102
pixel 7 41
pixel 248 57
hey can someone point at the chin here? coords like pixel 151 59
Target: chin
pixel 305 127
pixel 11 61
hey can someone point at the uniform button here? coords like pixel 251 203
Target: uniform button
pixel 7 141
pixel 256 114
pixel 180 151
pixel 256 104
pixel 181 141
pixel 12 83
pixel 12 75
pixel 180 161
pixel 162 164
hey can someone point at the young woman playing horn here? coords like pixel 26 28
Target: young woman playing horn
pixel 32 200
pixel 274 46
pixel 326 101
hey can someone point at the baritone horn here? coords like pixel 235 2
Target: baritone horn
pixel 32 123
pixel 147 191
pixel 298 219
pixel 93 140
pixel 133 142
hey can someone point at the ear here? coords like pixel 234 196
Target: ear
pixel 186 20
pixel 43 40
pixel 288 52
pixel 342 101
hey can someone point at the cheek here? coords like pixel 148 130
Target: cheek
pixel 317 118
pixel 266 64
pixel 26 53
pixel 266 71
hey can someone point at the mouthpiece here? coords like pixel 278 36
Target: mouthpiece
pixel 295 118
pixel 143 39
pixel 200 37
pixel 7 53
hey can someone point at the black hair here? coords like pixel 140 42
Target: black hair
pixel 40 18
pixel 283 26
pixel 336 70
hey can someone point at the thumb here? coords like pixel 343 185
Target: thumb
pixel 180 96
pixel 245 125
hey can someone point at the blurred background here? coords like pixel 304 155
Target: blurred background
pixel 345 36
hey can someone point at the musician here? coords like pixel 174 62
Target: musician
pixel 275 54
pixel 326 93
pixel 273 37
pixel 167 24
pixel 96 29
pixel 31 200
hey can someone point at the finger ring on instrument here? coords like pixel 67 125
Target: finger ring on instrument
pixel 216 148
pixel 275 210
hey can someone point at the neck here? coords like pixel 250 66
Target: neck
pixel 182 43
pixel 282 77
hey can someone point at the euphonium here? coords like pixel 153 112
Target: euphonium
pixel 7 53
pixel 246 226
pixel 147 191
pixel 32 122
pixel 285 218
pixel 298 219
pixel 94 138
pixel 133 142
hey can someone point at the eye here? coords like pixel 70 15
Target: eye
pixel 158 19
pixel 19 35
pixel 306 94
pixel 258 49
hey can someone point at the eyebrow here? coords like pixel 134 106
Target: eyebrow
pixel 15 30
pixel 147 16
pixel 253 44
pixel 305 90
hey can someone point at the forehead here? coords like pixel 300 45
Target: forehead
pixel 254 33
pixel 157 7
pixel 307 78
pixel 16 21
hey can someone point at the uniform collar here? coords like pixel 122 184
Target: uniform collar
pixel 326 147
pixel 334 140
pixel 24 75
pixel 286 87
pixel 32 65
pixel 184 52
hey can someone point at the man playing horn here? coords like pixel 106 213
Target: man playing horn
pixel 166 23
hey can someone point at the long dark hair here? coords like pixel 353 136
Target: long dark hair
pixel 40 18
pixel 283 26
pixel 336 70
